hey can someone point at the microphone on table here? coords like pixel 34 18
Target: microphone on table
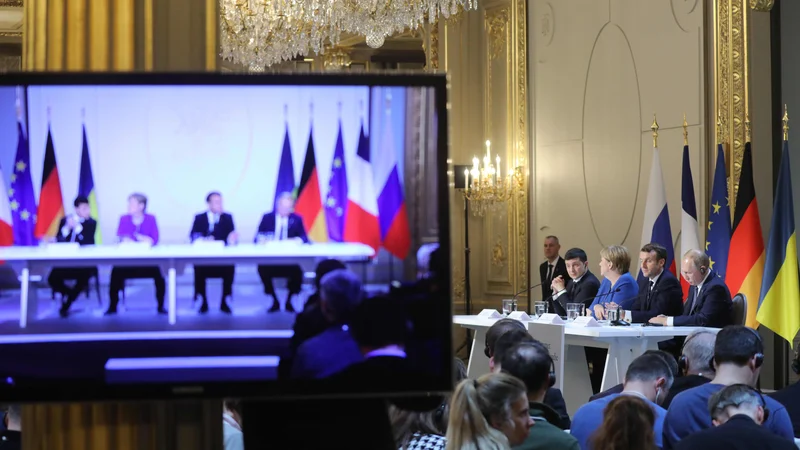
pixel 620 322
pixel 606 294
pixel 526 290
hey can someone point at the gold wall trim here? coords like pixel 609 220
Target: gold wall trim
pixel 521 148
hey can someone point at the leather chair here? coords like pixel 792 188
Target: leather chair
pixel 739 310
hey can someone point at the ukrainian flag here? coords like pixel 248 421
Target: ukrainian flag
pixel 86 186
pixel 779 306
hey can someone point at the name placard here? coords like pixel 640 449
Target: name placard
pixel 62 247
pixel 134 246
pixel 490 314
pixel 208 244
pixel 520 315
pixel 552 337
pixel 554 319
pixel 585 322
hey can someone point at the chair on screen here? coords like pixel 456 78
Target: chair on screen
pixel 739 310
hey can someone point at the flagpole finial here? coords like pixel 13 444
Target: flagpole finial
pixel 685 131
pixel 785 122
pixel 49 110
pixel 83 114
pixel 340 108
pixel 286 112
pixel 18 109
pixel 747 127
pixel 654 127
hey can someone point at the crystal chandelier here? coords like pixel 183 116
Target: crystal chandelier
pixel 486 188
pixel 259 33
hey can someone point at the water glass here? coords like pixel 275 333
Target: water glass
pixel 540 308
pixel 509 306
pixel 574 310
pixel 263 238
pixel 612 315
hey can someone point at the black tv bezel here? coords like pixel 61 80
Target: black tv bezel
pixel 72 391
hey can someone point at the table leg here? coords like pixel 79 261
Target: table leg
pixel 478 362
pixel 24 280
pixel 621 352
pixel 577 387
pixel 172 300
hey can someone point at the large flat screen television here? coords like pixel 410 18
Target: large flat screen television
pixel 168 235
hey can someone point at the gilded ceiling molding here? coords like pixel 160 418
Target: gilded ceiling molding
pixel 11 3
pixel 762 5
pixel 731 94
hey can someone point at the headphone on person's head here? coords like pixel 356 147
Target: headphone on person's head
pixel 438 415
pixel 759 356
pixel 683 361
pixel 760 398
pixel 703 270
pixel 486 342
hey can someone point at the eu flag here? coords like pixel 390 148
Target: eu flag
pixel 718 239
pixel 336 202
pixel 285 170
pixel 21 196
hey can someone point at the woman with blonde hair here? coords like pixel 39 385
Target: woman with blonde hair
pixel 628 423
pixel 490 413
pixel 619 288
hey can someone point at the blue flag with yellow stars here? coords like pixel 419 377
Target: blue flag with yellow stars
pixel 718 239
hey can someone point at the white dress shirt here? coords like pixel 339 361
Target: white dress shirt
pixel 213 221
pixel 281 227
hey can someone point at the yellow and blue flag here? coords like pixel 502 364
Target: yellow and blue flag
pixel 779 306
pixel 86 186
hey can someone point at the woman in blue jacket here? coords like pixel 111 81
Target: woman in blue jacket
pixel 618 287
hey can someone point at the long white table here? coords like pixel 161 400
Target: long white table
pixel 172 259
pixel 624 344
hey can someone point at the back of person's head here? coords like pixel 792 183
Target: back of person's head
pixel 498 329
pixel 405 423
pixel 698 352
pixel 740 346
pixel 424 259
pixel 325 267
pixel 531 363
pixel 737 399
pixel 475 405
pixel 508 340
pixel 379 322
pixel 340 294
pixel 654 372
pixel 667 358
pixel 233 407
pixel 628 423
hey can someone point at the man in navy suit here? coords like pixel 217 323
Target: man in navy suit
pixel 582 286
pixel 214 225
pixel 659 291
pixel 709 303
pixel 80 228
pixel 281 225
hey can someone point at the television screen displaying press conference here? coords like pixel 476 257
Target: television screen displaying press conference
pixel 216 235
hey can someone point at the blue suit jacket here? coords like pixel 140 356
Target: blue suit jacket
pixel 296 227
pixel 713 307
pixel 625 293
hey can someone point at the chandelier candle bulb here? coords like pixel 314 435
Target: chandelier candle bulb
pixel 497 168
pixel 466 179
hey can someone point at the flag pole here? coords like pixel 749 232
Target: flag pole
pixel 685 131
pixel 654 127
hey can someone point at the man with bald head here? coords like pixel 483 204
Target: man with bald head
pixel 709 303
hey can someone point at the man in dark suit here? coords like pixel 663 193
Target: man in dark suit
pixel 214 225
pixel 737 412
pixel 709 303
pixel 659 291
pixel 582 286
pixel 552 268
pixel 281 225
pixel 80 228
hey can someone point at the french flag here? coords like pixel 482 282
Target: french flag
pixel 361 222
pixel 393 218
pixel 6 221
pixel 656 214
pixel 689 235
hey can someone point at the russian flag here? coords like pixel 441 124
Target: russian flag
pixel 393 218
pixel 6 221
pixel 689 239
pixel 656 214
pixel 361 221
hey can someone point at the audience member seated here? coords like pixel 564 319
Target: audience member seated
pixel 738 356
pixel 582 285
pixel 531 363
pixel 628 423
pixel 333 349
pixel 232 425
pixel 553 397
pixel 673 367
pixel 490 413
pixel 310 322
pixel 659 291
pixel 737 412
pixel 11 437
pixel 136 226
pixel 695 363
pixel 415 430
pixel 648 377
pixel 790 397
pixel 80 228
pixel 709 303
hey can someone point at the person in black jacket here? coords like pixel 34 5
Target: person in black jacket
pixel 737 412
pixel 282 225
pixel 790 397
pixel 552 268
pixel 80 228
pixel 659 291
pixel 214 225
pixel 582 286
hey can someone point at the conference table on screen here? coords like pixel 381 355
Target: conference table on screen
pixel 624 344
pixel 171 258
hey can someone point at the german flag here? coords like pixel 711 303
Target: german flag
pixel 746 255
pixel 309 198
pixel 779 306
pixel 51 202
